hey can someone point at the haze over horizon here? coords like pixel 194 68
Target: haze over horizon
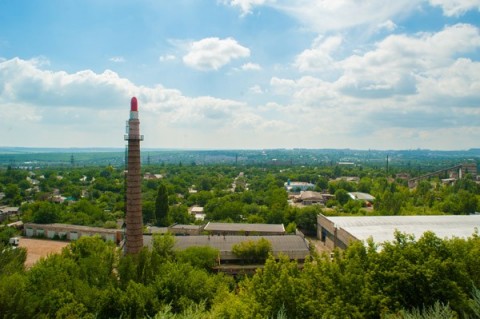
pixel 241 74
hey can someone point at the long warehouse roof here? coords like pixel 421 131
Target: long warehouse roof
pixel 382 228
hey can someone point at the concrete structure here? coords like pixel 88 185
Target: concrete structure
pixel 71 232
pixel 293 246
pixel 341 231
pixel 133 216
pixel 185 230
pixel 454 172
pixel 244 229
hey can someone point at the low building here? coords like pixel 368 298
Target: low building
pixel 311 198
pixel 293 246
pixel 71 232
pixel 197 212
pixel 244 229
pixel 7 211
pixel 185 230
pixel 339 232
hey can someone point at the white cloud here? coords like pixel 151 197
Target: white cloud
pixel 398 61
pixel 214 53
pixel 318 58
pixel 256 89
pixel 167 57
pixel 456 7
pixel 245 5
pixel 251 67
pixel 388 25
pixel 117 59
pixel 25 82
pixel 326 15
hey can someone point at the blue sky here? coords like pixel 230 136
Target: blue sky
pixel 241 73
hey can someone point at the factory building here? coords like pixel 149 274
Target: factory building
pixel 71 232
pixel 339 232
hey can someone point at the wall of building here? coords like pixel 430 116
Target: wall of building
pixel 332 237
pixel 71 232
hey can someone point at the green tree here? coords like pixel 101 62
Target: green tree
pixel 201 257
pixel 252 251
pixel 161 206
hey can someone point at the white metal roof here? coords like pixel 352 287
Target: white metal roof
pixel 382 228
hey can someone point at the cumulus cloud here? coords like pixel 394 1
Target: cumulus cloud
pixel 214 53
pixel 456 7
pixel 25 82
pixel 84 106
pixel 388 25
pixel 318 58
pixel 251 67
pixel 404 82
pixel 245 5
pixel 396 63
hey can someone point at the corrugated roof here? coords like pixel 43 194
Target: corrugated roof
pixel 73 228
pixel 219 227
pixel 290 245
pixel 382 228
pixel 182 226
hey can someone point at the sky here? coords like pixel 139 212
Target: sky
pixel 241 74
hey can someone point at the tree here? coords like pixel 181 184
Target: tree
pixel 201 257
pixel 161 206
pixel 253 251
pixel 179 214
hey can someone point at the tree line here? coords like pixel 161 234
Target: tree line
pixel 428 277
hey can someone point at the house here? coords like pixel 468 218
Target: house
pixel 311 198
pixel 150 176
pixel 197 212
pixel 7 211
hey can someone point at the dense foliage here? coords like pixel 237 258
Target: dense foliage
pixel 407 278
pixel 91 279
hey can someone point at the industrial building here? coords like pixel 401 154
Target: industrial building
pixel 293 246
pixel 71 232
pixel 339 232
pixel 244 229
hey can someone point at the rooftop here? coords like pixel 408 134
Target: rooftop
pixel 382 228
pixel 290 245
pixel 219 227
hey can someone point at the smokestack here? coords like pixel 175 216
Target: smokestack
pixel 133 218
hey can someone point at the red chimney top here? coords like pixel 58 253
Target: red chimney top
pixel 134 105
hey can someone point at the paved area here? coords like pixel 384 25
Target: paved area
pixel 38 248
